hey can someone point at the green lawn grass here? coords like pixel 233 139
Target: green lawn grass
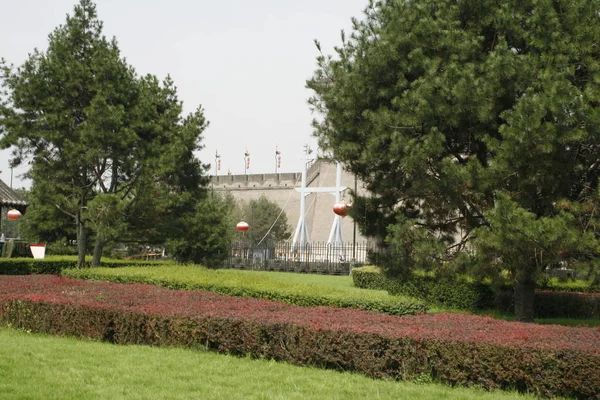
pixel 37 366
pixel 570 284
pixel 301 289
pixel 322 284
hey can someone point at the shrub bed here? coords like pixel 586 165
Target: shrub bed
pixel 54 265
pixel 114 263
pixel 458 294
pixel 474 296
pixel 456 349
pixel 550 304
pixel 198 278
pixel 26 266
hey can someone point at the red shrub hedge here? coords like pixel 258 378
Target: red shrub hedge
pixel 452 348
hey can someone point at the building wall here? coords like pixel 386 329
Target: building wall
pixel 280 188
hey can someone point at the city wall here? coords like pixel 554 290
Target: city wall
pixel 280 188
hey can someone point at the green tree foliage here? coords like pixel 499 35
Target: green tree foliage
pixel 456 112
pixel 521 242
pixel 206 234
pixel 104 215
pixel 43 222
pixel 54 99
pixel 268 222
pixel 91 128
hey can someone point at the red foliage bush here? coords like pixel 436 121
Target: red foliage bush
pixel 453 348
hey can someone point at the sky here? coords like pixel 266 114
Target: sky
pixel 245 62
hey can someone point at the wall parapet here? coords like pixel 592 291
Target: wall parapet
pixel 287 180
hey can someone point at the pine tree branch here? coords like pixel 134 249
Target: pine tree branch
pixel 65 212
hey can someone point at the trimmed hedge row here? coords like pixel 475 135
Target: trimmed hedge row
pixel 27 266
pixel 54 265
pixel 451 293
pixel 550 304
pixel 304 299
pixel 471 296
pixel 112 263
pixel 455 349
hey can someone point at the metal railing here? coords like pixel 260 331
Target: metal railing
pixel 319 258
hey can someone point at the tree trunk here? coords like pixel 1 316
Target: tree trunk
pixel 98 248
pixel 81 242
pixel 525 294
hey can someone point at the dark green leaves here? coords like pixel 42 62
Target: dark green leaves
pixel 109 149
pixel 444 107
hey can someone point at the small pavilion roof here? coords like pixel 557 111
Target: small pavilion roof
pixel 9 198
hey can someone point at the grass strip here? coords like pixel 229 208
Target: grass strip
pixel 297 289
pixel 36 366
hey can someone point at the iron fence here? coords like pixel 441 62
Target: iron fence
pixel 319 258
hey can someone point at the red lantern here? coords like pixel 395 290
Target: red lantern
pixel 242 226
pixel 341 208
pixel 14 214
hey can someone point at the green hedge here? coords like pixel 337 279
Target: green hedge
pixel 369 277
pixel 55 264
pixel 547 373
pixel 549 304
pixel 113 263
pixel 27 266
pixel 457 294
pixel 472 296
pixel 293 294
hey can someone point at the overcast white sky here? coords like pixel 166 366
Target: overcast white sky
pixel 245 62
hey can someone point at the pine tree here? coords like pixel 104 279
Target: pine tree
pixel 451 111
pixel 97 136
pixel 206 234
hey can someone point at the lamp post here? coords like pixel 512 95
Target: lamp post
pixel 354 222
